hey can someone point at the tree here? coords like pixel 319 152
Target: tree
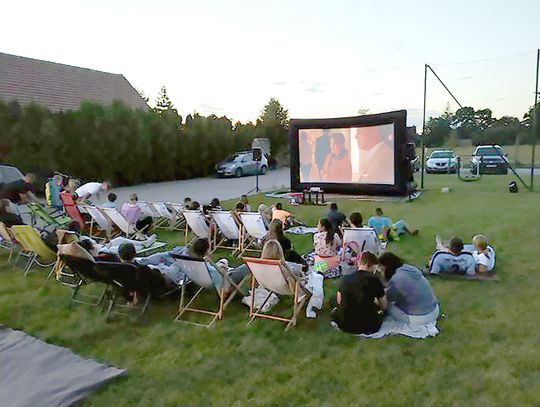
pixel 164 103
pixel 143 95
pixel 273 123
pixel 437 131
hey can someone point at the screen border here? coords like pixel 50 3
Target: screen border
pixel 402 169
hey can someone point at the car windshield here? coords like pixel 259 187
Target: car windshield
pixel 488 151
pixel 441 154
pixel 232 158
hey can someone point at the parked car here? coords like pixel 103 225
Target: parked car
pixel 240 164
pixel 10 179
pixel 489 159
pixel 442 161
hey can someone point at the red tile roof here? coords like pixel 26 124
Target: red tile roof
pixel 61 87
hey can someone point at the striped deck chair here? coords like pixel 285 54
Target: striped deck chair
pixel 164 215
pixel 70 206
pixel 226 232
pixel 6 241
pixel 253 231
pixel 178 222
pixel 34 249
pixel 196 222
pixel 366 238
pixel 196 271
pixel 276 277
pixel 116 218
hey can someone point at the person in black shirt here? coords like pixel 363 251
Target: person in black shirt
pixel 361 299
pixel 336 217
pixel 8 218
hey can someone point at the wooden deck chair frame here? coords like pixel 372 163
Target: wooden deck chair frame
pixel 63 237
pixel 118 220
pixel 33 248
pixel 197 272
pixel 368 233
pixel 248 235
pixel 7 242
pixel 148 210
pixel 291 281
pixel 163 216
pixel 178 221
pixel 100 225
pixel 196 222
pixel 222 233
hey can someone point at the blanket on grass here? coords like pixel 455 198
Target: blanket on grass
pixel 302 230
pixel 35 373
pixel 391 326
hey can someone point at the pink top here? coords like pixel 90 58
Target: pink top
pixel 322 249
pixel 131 212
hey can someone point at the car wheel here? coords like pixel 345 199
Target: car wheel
pixel 238 173
pixel 263 170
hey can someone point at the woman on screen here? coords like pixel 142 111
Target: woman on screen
pixel 337 165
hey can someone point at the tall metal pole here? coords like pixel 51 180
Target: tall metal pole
pixel 535 117
pixel 423 129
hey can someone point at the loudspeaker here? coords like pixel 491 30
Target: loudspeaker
pixel 512 187
pixel 409 151
pixel 257 154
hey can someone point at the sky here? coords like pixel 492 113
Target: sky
pixel 318 58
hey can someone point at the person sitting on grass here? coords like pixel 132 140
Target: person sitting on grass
pixel 326 243
pixel 483 254
pixel 7 217
pixel 245 201
pixel 388 230
pixel 337 218
pixel 287 218
pixel 411 299
pixel 361 299
pixel 356 220
pixel 111 201
pixel 275 232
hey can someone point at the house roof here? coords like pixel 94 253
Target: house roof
pixel 61 87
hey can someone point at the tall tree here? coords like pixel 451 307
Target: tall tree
pixel 164 103
pixel 273 123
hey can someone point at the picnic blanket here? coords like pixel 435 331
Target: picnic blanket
pixel 35 373
pixel 302 230
pixel 391 326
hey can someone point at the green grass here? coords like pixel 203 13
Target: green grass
pixel 486 354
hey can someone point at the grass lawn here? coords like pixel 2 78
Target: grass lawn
pixel 486 355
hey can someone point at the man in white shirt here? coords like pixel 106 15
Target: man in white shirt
pixel 91 189
pixel 376 163
pixel 484 255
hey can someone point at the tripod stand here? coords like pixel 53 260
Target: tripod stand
pixel 256 189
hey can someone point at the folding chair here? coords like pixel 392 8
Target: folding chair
pixel 196 222
pixel 70 206
pixel 38 211
pixel 121 222
pixel 178 221
pixel 196 270
pixel 97 218
pixel 34 249
pixel 253 229
pixel 366 238
pixel 147 210
pixel 226 228
pixel 163 214
pixel 6 241
pixel 84 275
pixel 63 237
pixel 277 278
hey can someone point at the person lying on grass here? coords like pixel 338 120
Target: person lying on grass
pixel 411 299
pixel 388 230
pixel 361 299
pixel 483 255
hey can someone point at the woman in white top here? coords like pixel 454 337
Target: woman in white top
pixel 484 255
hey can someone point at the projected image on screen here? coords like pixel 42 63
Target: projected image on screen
pixel 349 155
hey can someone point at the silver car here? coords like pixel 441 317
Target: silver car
pixel 240 164
pixel 442 161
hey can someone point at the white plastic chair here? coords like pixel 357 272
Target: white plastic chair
pixel 366 238
pixel 253 230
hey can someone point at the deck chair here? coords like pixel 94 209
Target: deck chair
pixel 148 210
pixel 196 222
pixel 63 237
pixel 253 229
pixel 6 241
pixel 225 229
pixel 366 238
pixel 116 218
pixel 276 277
pixel 70 206
pixel 99 223
pixel 33 248
pixel 196 271
pixel 178 222
pixel 164 215
pixel 39 212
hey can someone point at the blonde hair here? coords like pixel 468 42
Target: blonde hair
pixel 480 241
pixel 272 250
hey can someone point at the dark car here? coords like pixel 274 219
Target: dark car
pixel 489 160
pixel 11 179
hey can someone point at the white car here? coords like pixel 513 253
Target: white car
pixel 442 161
